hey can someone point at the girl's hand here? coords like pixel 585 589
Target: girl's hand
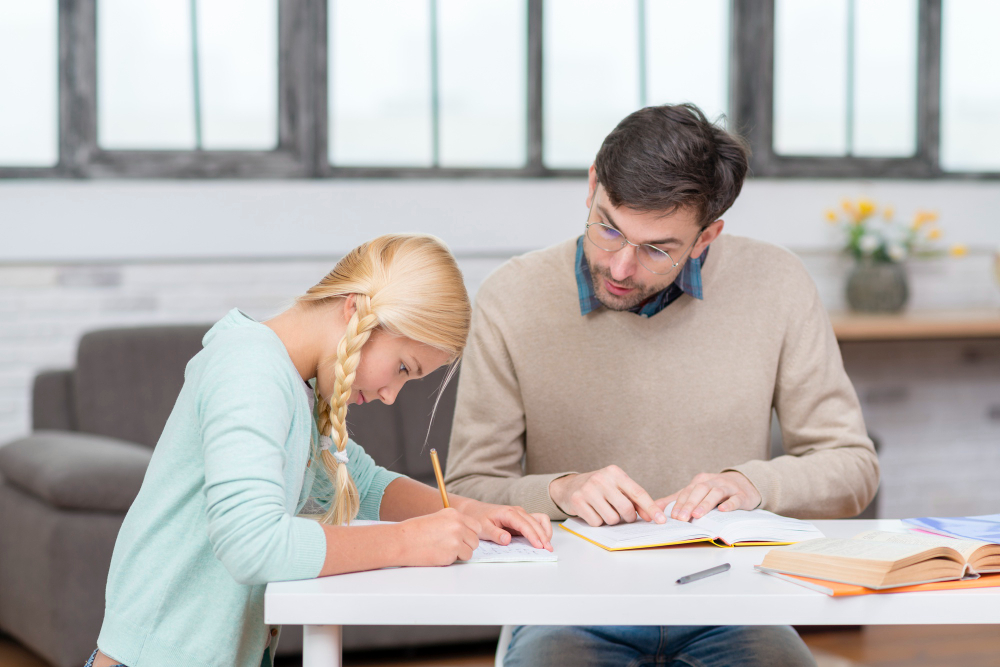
pixel 438 539
pixel 537 528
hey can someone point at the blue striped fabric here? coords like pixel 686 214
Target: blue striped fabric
pixel 688 282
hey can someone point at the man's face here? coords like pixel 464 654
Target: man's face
pixel 620 281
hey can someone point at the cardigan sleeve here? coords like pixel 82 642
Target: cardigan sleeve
pixel 245 405
pixel 370 478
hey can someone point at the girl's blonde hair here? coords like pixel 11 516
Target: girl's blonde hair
pixel 407 285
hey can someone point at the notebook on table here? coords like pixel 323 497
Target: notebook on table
pixel 518 551
pixel 723 529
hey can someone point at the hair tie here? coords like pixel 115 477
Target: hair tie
pixel 341 456
pixel 325 442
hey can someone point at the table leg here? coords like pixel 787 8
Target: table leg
pixel 321 646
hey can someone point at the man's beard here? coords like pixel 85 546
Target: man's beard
pixel 614 302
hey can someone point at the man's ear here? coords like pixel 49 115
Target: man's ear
pixel 708 235
pixel 591 184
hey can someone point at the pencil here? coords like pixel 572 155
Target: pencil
pixel 440 477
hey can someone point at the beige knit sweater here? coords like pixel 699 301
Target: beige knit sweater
pixel 545 390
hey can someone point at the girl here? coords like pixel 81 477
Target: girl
pixel 215 520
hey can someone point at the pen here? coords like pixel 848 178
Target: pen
pixel 439 477
pixel 718 569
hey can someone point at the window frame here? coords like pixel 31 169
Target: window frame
pixel 303 131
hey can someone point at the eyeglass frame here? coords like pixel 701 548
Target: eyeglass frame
pixel 625 241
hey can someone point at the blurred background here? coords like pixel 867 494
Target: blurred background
pixel 164 161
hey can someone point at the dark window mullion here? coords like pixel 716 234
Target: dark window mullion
pixel 196 75
pixel 535 95
pixel 435 88
pixel 641 42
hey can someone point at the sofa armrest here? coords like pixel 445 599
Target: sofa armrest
pixel 52 401
pixel 76 470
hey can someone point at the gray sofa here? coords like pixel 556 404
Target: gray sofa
pixel 65 488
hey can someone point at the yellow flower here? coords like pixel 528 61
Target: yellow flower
pixel 959 250
pixel 934 234
pixel 866 207
pixel 923 217
pixel 847 205
pixel 889 213
pixel 831 215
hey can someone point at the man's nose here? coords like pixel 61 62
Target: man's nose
pixel 623 263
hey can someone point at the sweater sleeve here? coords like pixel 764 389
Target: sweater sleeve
pixel 245 408
pixel 488 433
pixel 830 469
pixel 369 478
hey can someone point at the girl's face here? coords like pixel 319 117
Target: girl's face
pixel 387 362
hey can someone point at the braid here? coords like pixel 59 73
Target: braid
pixel 332 418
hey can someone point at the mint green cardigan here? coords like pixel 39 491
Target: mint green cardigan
pixel 215 520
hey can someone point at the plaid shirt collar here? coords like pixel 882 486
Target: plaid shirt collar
pixel 688 282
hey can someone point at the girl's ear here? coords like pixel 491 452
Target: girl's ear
pixel 349 307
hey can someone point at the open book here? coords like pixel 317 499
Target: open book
pixel 879 560
pixel 723 529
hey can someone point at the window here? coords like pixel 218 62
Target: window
pixel 970 86
pixel 494 88
pixel 606 58
pixel 414 83
pixel 29 122
pixel 845 75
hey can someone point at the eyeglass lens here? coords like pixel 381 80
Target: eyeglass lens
pixel 610 239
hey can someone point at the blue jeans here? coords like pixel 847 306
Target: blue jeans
pixel 640 646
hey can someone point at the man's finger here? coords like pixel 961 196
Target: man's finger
pixel 643 502
pixel 608 514
pixel 588 514
pixel 715 496
pixel 622 505
pixel 666 500
pixel 695 496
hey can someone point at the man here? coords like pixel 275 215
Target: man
pixel 638 364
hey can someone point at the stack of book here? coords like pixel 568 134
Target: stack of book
pixel 893 562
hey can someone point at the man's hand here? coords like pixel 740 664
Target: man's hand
pixel 499 522
pixel 604 496
pixel 727 490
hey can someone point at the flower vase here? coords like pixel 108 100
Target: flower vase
pixel 877 287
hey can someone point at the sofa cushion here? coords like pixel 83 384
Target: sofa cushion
pixel 127 380
pixel 76 470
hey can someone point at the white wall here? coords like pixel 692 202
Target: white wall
pixel 78 221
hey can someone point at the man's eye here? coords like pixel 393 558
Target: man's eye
pixel 404 369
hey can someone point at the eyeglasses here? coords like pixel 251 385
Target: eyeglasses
pixel 609 239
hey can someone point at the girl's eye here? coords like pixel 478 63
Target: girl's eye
pixel 404 369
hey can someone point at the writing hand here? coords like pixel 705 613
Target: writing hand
pixel 604 496
pixel 727 490
pixel 494 519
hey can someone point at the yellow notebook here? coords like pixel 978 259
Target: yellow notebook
pixel 723 529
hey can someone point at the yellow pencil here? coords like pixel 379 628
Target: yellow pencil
pixel 440 477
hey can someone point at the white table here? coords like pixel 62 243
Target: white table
pixel 591 586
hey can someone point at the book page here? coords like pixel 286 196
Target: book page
pixel 854 548
pixel 518 551
pixel 964 547
pixel 753 526
pixel 638 534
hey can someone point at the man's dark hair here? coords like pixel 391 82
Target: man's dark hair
pixel 669 157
